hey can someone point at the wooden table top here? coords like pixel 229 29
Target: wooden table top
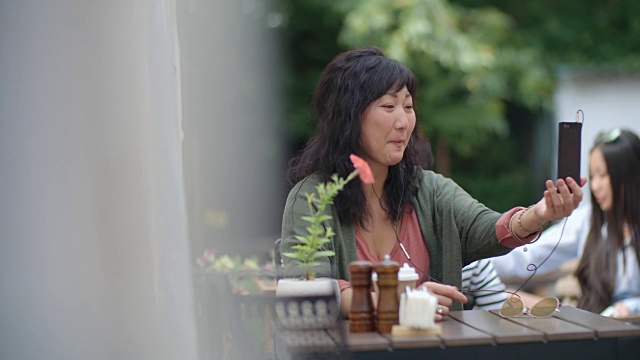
pixel 476 332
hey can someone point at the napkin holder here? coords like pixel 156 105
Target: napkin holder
pixel 417 314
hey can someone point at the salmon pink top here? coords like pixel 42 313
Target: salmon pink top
pixel 410 236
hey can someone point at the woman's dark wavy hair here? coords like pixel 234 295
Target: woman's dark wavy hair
pixel 348 85
pixel 596 271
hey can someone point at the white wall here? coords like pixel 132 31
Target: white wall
pixel 94 251
pixel 233 147
pixel 608 100
pixel 233 164
pixel 97 101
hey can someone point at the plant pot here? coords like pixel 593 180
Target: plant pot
pixel 307 304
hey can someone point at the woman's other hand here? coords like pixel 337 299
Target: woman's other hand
pixel 446 294
pixel 621 310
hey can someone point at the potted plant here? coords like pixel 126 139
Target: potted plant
pixel 229 294
pixel 299 310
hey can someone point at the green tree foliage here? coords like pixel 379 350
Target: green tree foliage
pixel 466 60
pixel 485 70
pixel 311 39
pixel 592 33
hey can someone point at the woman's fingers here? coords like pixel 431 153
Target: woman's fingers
pixel 621 310
pixel 550 186
pixel 441 312
pixel 576 190
pixel 443 300
pixel 450 293
pixel 561 201
pixel 566 206
pixel 583 181
pixel 557 198
pixel 446 294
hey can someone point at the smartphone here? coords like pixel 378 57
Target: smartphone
pixel 569 147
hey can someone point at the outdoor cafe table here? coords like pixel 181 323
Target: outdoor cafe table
pixel 475 334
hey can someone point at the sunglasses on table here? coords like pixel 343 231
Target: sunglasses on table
pixel 514 306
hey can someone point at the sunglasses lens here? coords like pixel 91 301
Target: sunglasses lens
pixel 512 307
pixel 545 307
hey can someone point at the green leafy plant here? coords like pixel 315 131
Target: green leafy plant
pixel 245 274
pixel 310 247
pixel 226 287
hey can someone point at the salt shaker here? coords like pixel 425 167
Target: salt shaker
pixel 387 313
pixel 361 314
pixel 407 276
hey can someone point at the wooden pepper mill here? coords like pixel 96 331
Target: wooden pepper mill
pixel 361 313
pixel 387 313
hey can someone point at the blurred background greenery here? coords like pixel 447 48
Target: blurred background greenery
pixel 486 71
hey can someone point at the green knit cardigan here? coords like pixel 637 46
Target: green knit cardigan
pixel 456 228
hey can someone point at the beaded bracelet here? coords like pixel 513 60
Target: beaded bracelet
pixel 515 236
pixel 513 233
pixel 527 230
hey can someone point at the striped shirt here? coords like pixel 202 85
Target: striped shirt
pixel 481 275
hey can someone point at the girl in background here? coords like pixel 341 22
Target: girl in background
pixel 604 236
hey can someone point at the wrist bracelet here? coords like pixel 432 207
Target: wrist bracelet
pixel 515 236
pixel 527 230
pixel 513 233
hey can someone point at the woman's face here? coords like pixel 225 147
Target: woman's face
pixel 600 181
pixel 387 125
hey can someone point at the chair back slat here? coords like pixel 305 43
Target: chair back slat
pixel 277 259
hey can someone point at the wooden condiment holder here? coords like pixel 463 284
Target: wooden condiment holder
pixel 361 317
pixel 387 313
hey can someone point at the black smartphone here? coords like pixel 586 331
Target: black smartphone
pixel 569 147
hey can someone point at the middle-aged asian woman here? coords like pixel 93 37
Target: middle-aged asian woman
pixel 364 105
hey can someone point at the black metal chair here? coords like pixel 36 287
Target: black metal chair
pixel 277 259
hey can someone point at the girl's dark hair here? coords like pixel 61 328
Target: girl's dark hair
pixel 596 271
pixel 352 81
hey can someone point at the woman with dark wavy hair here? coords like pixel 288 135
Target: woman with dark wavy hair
pixel 604 236
pixel 364 105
